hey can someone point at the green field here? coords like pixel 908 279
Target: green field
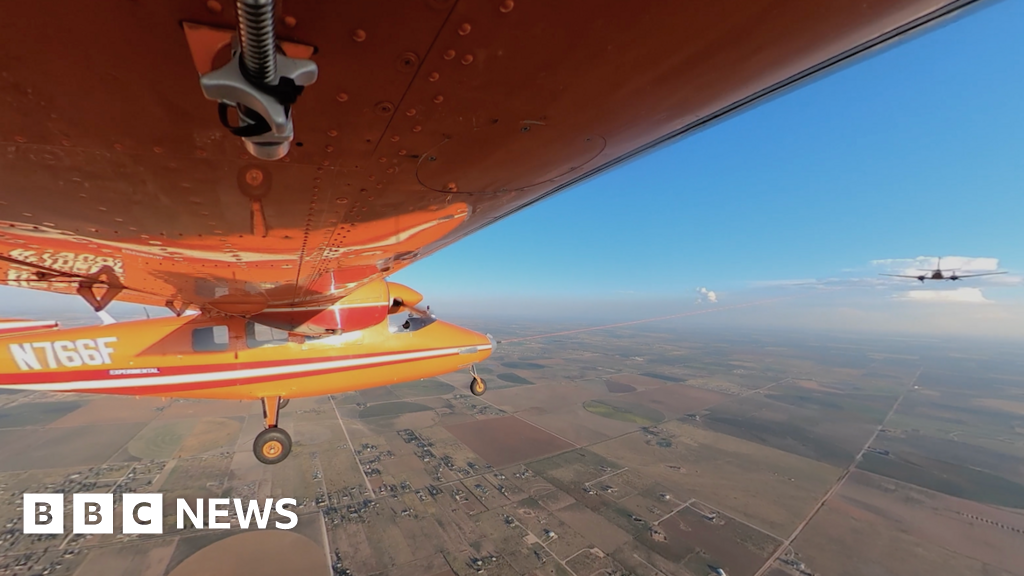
pixel 513 378
pixel 392 409
pixel 624 412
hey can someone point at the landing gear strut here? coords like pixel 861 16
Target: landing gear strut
pixel 477 387
pixel 273 444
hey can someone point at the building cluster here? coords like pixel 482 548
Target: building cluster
pixel 790 560
pixel 34 562
pixel 657 436
pixel 481 563
pixel 27 553
pixel 349 505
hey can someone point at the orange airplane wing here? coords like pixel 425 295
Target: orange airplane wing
pixel 429 119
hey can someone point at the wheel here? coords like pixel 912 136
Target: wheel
pixel 478 386
pixel 272 446
pixel 282 404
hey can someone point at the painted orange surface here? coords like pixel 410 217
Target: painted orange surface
pixel 182 357
pixel 428 121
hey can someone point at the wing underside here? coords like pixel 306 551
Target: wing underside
pixel 429 120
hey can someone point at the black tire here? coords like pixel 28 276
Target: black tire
pixel 281 405
pixel 477 387
pixel 272 446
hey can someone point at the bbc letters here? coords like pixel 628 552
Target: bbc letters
pixel 144 513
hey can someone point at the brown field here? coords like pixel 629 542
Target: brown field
pixel 638 381
pixel 555 499
pixel 161 439
pixel 309 432
pixel 379 394
pixel 1012 406
pixel 64 447
pixel 195 478
pixel 433 565
pixel 114 409
pixel 771 489
pixel 593 527
pixel 588 562
pixel 210 434
pixel 698 543
pixel 642 561
pixel 507 440
pixel 354 544
pixel 545 396
pixel 577 424
pixel 389 424
pixel 208 408
pixel 149 559
pixel 256 552
pixel 952 523
pixel 812 385
pixel 844 540
pixel 678 399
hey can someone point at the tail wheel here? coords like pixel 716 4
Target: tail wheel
pixel 281 405
pixel 478 386
pixel 272 446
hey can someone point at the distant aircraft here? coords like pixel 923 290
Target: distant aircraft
pixel 939 274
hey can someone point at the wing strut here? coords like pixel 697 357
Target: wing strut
pixel 105 276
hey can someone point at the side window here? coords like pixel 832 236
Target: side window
pixel 210 339
pixel 257 335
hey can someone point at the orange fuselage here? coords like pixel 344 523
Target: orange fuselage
pixel 195 356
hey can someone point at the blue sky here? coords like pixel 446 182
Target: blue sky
pixel 915 151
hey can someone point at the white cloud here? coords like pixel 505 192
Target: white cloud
pixel 706 294
pixel 963 295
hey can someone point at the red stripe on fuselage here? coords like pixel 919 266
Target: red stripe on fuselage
pixel 173 388
pixel 43 377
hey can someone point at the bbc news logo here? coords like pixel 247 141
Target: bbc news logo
pixel 144 513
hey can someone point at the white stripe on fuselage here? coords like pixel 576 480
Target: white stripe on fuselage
pixel 324 309
pixel 292 370
pixel 26 323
